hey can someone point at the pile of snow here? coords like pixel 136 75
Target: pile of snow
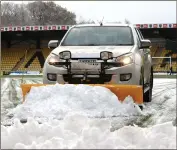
pixel 79 131
pixel 11 93
pixel 68 112
pixel 169 107
pixel 163 104
pixel 56 101
pixel 6 103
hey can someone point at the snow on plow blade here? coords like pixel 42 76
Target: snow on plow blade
pixel 121 91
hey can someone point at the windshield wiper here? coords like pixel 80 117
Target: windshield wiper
pixel 89 44
pixel 123 44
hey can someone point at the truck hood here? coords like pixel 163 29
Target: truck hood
pixel 92 51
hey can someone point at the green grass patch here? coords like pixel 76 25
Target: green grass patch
pixel 165 76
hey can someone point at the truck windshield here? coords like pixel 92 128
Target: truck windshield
pixel 98 36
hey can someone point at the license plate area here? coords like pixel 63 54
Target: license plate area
pixel 86 64
pixel 88 61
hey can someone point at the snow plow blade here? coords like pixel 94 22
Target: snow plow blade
pixel 121 91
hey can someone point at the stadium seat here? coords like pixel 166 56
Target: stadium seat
pixel 11 56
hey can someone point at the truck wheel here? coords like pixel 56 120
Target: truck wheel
pixel 142 77
pixel 148 95
pixel 141 82
pixel 152 78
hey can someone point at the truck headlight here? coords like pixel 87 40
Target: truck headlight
pixel 106 55
pixel 125 59
pixel 66 55
pixel 53 59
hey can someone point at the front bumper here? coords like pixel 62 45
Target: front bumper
pixel 112 75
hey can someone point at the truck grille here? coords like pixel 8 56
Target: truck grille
pixel 76 79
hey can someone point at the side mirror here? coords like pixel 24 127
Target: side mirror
pixel 145 44
pixel 52 44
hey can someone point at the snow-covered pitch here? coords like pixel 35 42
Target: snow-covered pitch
pixel 70 116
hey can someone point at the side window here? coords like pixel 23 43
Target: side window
pixel 138 36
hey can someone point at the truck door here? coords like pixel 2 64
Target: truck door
pixel 146 53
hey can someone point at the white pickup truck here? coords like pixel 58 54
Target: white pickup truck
pixel 101 54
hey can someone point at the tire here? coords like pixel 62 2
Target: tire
pixel 142 77
pixel 147 97
pixel 152 78
pixel 141 82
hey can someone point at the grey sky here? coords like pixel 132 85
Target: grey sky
pixel 134 11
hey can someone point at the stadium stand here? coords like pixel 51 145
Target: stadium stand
pixel 26 48
pixel 10 57
pixel 29 53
